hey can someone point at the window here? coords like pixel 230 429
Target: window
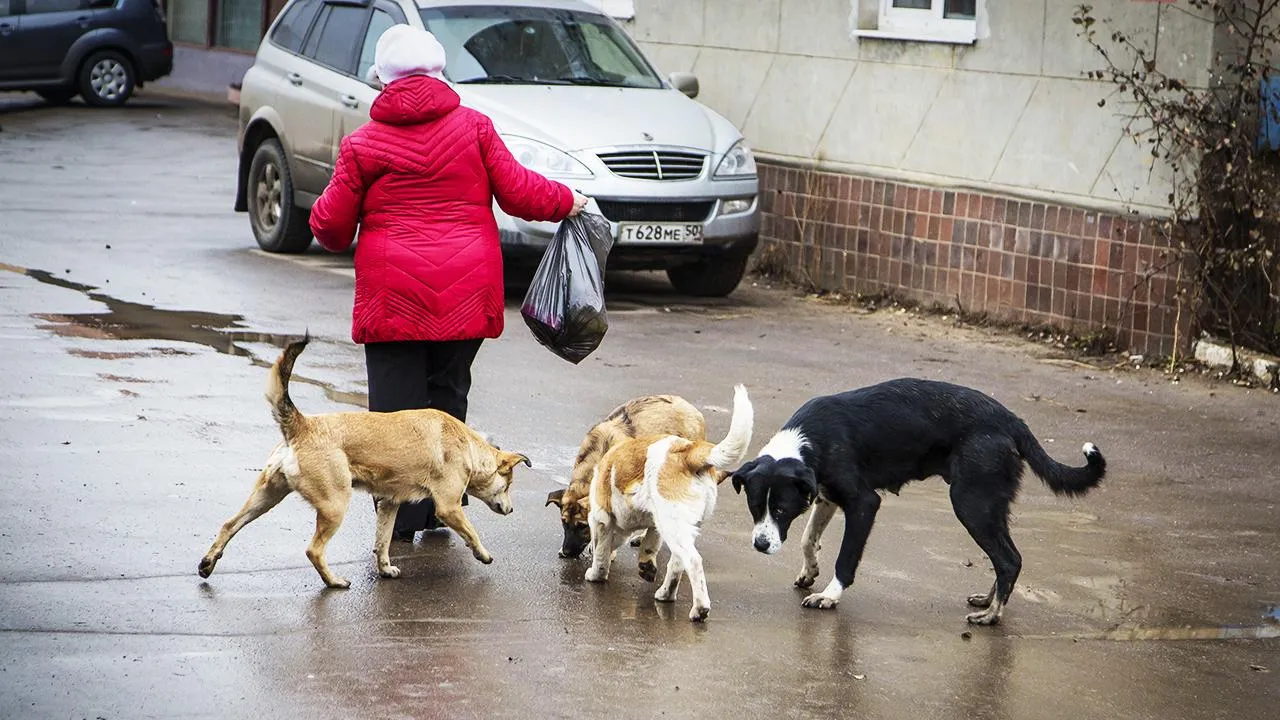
pixel 951 21
pixel 536 45
pixel 5 8
pixel 188 21
pixel 239 24
pixel 378 24
pixel 233 24
pixel 336 36
pixel 52 6
pixel 292 29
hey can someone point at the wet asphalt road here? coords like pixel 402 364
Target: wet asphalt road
pixel 136 315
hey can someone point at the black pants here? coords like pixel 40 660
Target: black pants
pixel 413 375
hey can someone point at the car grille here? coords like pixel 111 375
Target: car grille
pixel 620 211
pixel 655 164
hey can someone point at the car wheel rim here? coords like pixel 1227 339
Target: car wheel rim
pixel 108 79
pixel 267 196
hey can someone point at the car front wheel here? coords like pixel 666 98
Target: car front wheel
pixel 106 79
pixel 279 226
pixel 709 277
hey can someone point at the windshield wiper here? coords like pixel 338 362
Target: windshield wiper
pixel 496 80
pixel 591 81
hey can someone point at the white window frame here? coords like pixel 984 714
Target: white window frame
pixel 895 23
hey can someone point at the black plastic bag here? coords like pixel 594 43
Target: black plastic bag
pixel 564 306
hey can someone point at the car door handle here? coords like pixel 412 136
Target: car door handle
pixel 350 101
pixel 83 20
pixel 6 29
pixel 294 78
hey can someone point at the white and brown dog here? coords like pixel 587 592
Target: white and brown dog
pixel 638 417
pixel 398 457
pixel 669 484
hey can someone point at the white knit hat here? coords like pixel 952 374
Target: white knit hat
pixel 403 51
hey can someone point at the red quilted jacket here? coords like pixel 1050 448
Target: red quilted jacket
pixel 420 179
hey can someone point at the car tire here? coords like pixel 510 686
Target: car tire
pixel 57 96
pixel 106 79
pixel 709 277
pixel 279 226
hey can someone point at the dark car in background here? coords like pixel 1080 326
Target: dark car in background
pixel 101 50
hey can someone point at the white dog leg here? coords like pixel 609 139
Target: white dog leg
pixel 604 544
pixel 810 543
pixel 827 599
pixel 671 583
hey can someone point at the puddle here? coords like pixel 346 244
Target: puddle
pixel 1269 629
pixel 1223 632
pixel 124 320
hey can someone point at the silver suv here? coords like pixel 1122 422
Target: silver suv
pixel 570 93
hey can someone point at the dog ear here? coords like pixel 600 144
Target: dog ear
pixel 509 460
pixel 808 482
pixel 739 476
pixel 555 497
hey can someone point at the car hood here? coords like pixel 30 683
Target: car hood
pixel 576 118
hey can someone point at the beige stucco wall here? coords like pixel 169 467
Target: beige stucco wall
pixel 1011 113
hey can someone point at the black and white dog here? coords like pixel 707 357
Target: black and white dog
pixel 837 451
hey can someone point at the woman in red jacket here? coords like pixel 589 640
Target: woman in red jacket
pixel 419 180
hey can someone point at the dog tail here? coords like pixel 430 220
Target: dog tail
pixel 283 410
pixel 732 450
pixel 1062 479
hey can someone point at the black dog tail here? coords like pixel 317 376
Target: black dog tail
pixel 283 410
pixel 1062 479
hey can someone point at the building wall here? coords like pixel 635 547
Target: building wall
pixel 1017 260
pixel 1012 113
pixel 205 71
pixel 984 175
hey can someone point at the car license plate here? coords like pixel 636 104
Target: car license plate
pixel 661 233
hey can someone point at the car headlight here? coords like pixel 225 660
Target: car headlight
pixel 737 163
pixel 541 157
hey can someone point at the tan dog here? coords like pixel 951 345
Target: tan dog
pixel 397 457
pixel 649 415
pixel 667 483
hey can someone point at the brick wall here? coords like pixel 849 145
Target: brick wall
pixel 1014 259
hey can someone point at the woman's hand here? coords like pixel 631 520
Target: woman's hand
pixel 579 201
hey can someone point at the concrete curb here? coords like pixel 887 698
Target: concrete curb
pixel 1265 368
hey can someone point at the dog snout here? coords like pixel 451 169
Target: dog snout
pixel 766 537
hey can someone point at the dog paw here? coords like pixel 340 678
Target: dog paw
pixel 648 571
pixel 981 600
pixel 596 575
pixel 340 584
pixel 805 580
pixel 986 617
pixel 663 595
pixel 206 567
pixel 483 556
pixel 635 540
pixel 390 571
pixel 819 601
pixel 699 614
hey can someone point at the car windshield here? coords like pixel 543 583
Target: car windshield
pixel 536 46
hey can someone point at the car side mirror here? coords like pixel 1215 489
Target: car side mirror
pixel 686 83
